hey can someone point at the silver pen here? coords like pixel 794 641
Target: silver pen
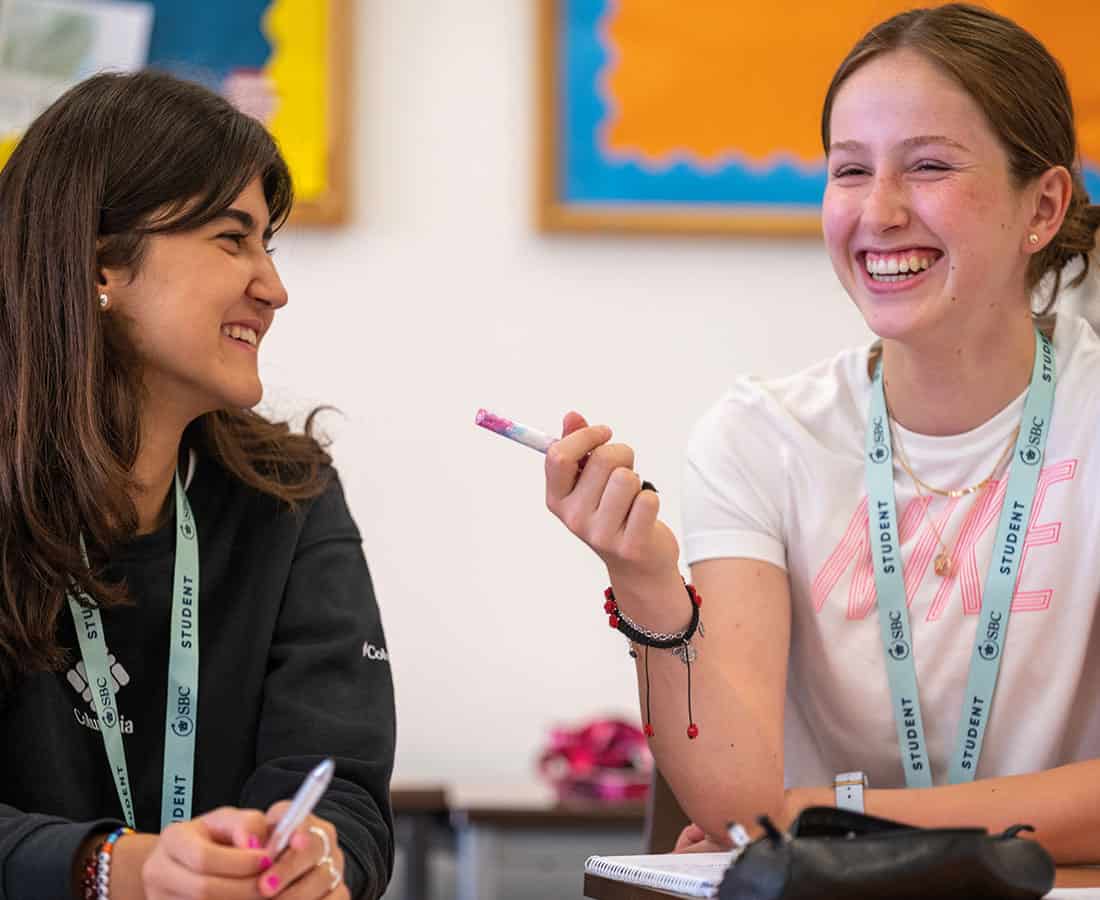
pixel 305 799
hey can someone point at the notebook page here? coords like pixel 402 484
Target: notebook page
pixel 691 874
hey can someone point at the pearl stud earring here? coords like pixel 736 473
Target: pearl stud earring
pixel 1033 238
pixel 104 301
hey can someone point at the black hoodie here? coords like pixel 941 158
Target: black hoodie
pixel 292 668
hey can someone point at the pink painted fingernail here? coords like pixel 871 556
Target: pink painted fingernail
pixel 272 881
pixel 253 841
pixel 265 863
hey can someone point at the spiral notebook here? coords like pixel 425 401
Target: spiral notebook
pixel 700 874
pixel 691 874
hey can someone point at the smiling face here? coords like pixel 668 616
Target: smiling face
pixel 199 307
pixel 922 221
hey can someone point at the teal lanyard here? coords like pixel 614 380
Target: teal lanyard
pixel 183 680
pixel 1000 583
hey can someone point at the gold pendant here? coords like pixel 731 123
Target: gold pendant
pixel 944 565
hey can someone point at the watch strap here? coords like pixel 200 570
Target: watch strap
pixel 849 790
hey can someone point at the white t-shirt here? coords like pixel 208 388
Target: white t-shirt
pixel 775 471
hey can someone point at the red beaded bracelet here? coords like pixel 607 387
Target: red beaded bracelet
pixel 678 642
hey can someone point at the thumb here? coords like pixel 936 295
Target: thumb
pixel 573 421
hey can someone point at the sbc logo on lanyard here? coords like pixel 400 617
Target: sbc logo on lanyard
pixel 880 452
pixel 187 529
pixel 183 724
pixel 1031 454
pixel 990 647
pixel 899 647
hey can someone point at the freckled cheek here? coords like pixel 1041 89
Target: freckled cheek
pixel 965 220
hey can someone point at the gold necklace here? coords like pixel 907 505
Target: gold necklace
pixel 944 563
pixel 957 492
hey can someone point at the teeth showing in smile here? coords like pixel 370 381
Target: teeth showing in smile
pixel 241 333
pixel 898 266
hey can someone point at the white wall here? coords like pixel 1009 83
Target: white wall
pixel 441 298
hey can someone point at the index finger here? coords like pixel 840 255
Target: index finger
pixel 239 827
pixel 275 812
pixel 564 457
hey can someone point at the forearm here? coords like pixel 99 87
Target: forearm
pixel 731 749
pixel 1062 804
pixel 738 684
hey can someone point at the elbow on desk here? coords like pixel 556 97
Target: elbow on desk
pixel 714 811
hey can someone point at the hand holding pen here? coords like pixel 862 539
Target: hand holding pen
pixel 592 487
pixel 308 861
pixel 223 853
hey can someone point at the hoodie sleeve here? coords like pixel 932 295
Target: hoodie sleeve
pixel 329 693
pixel 36 853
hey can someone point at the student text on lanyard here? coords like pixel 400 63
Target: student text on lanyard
pixel 1000 582
pixel 183 679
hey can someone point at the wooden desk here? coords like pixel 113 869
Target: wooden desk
pixel 495 823
pixel 598 888
pixel 535 805
pixel 491 820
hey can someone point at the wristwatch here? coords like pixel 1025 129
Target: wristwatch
pixel 849 790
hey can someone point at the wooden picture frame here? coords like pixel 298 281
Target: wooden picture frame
pixel 333 205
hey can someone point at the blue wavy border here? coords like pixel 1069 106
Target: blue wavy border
pixel 588 176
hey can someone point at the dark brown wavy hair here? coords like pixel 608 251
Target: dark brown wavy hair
pixel 117 158
pixel 1021 89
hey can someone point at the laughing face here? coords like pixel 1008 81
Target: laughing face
pixel 199 307
pixel 922 220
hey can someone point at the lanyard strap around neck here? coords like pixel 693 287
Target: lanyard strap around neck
pixel 999 587
pixel 183 679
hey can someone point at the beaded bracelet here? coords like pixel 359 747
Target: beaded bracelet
pixel 97 868
pixel 678 642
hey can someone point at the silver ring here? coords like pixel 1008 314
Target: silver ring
pixel 326 847
pixel 336 879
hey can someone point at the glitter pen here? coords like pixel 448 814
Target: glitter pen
pixel 529 437
pixel 301 806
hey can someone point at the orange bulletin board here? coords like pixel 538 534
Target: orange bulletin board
pixel 705 116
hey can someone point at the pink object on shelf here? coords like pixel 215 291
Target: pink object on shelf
pixel 607 760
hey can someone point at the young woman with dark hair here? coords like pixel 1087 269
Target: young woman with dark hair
pixel 138 688
pixel 886 537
